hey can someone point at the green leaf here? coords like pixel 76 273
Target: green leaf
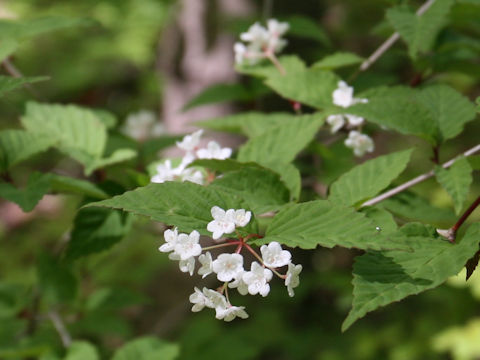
pixel 77 132
pixel 313 87
pixel 411 206
pixel 261 188
pixel 248 123
pixel 7 48
pixel 382 219
pixel 56 280
pixel 19 145
pixel 96 230
pixel 420 32
pixel 456 181
pixel 450 110
pixel 474 162
pixel 288 173
pixel 219 93
pixel 8 83
pixel 380 278
pixel 147 348
pixel 185 205
pixel 25 29
pixel 281 143
pixel 266 69
pixel 323 223
pixel 118 156
pixel 27 198
pixel 366 180
pixel 397 108
pixel 68 185
pixel 338 60
pixel 305 27
pixel 81 350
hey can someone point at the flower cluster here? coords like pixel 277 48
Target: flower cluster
pixel 143 125
pixel 262 42
pixel 190 144
pixel 343 97
pixel 229 267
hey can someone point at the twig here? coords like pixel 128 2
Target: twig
pixel 13 71
pixel 390 41
pixel 451 233
pixel 60 327
pixel 418 179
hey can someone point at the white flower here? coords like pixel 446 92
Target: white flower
pixel 206 261
pixel 343 95
pixel 188 246
pixel 207 298
pixel 142 125
pixel 257 279
pixel 256 35
pixel 170 240
pixel 240 51
pixel 227 266
pixel 354 120
pixel 274 256
pixel 336 122
pixel 165 172
pixel 230 312
pixel 191 141
pixel 275 30
pixel 242 217
pixel 192 175
pixel 239 284
pixel 216 299
pixel 199 300
pixel 214 151
pixel 292 280
pixel 222 223
pixel 360 143
pixel 187 265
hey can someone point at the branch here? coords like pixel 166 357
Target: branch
pixel 60 327
pixel 418 179
pixel 14 72
pixel 391 40
pixel 451 233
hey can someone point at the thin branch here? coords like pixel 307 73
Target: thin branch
pixel 418 179
pixel 390 41
pixel 14 72
pixel 60 327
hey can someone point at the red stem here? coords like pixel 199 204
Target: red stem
pixel 466 214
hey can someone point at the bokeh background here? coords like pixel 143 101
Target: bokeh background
pixel 156 55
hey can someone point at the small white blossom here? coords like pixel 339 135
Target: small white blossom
pixel 186 266
pixel 170 240
pixel 222 223
pixel 256 35
pixel 188 246
pixel 191 141
pixel 206 261
pixel 227 266
pixel 343 95
pixel 276 30
pixel 214 151
pixel 239 284
pixel 360 143
pixel 354 120
pixel 216 299
pixel 336 122
pixel 242 217
pixel 165 172
pixel 257 279
pixel 143 125
pixel 274 256
pixel 240 51
pixel 292 280
pixel 192 175
pixel 199 300
pixel 230 312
